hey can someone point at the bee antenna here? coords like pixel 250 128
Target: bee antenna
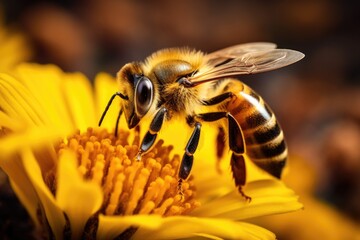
pixel 117 122
pixel 109 104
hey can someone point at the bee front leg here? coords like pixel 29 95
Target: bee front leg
pixel 236 144
pixel 151 135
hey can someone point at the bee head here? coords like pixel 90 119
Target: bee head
pixel 140 92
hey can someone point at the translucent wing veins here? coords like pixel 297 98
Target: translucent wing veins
pixel 244 59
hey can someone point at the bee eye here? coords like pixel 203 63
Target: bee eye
pixel 144 92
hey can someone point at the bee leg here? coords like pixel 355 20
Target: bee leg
pixel 220 148
pixel 151 135
pixel 221 134
pixel 239 173
pixel 236 144
pixel 217 99
pixel 188 158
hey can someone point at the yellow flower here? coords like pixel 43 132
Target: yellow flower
pixel 331 224
pixel 79 181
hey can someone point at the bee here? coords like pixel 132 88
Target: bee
pixel 182 82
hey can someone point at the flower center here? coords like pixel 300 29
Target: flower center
pixel 149 186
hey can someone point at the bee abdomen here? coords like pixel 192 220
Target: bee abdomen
pixel 264 139
pixel 270 156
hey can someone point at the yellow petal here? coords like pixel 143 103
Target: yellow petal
pixel 112 226
pixel 18 102
pixel 318 220
pixel 79 98
pixel 213 184
pixel 21 185
pixel 32 137
pixel 208 236
pixel 20 179
pixel 268 197
pixel 78 198
pixel 46 83
pixel 10 123
pixel 210 184
pixel 188 227
pixel 53 213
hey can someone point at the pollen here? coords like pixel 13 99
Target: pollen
pixel 149 186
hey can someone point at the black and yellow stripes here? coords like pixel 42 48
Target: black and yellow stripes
pixel 264 139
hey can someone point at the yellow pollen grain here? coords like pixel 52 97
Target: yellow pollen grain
pixel 114 196
pixel 114 171
pixel 98 169
pixel 167 170
pixel 131 172
pixel 85 162
pixel 147 208
pixel 139 191
pixel 149 186
pixel 173 210
pixel 150 193
pixel 164 206
pixel 155 168
pixel 160 190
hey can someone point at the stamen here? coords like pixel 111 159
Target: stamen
pixel 149 186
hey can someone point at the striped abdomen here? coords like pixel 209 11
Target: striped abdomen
pixel 264 139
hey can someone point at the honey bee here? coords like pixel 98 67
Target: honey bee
pixel 182 82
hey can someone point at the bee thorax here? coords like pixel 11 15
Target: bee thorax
pixel 179 100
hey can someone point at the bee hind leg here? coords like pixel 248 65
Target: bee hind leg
pixel 239 173
pixel 237 146
pixel 220 148
pixel 220 139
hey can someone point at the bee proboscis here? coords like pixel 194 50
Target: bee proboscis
pixel 180 82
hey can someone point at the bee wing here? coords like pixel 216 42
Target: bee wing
pixel 235 51
pixel 244 61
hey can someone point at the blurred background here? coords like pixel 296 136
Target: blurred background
pixel 317 100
